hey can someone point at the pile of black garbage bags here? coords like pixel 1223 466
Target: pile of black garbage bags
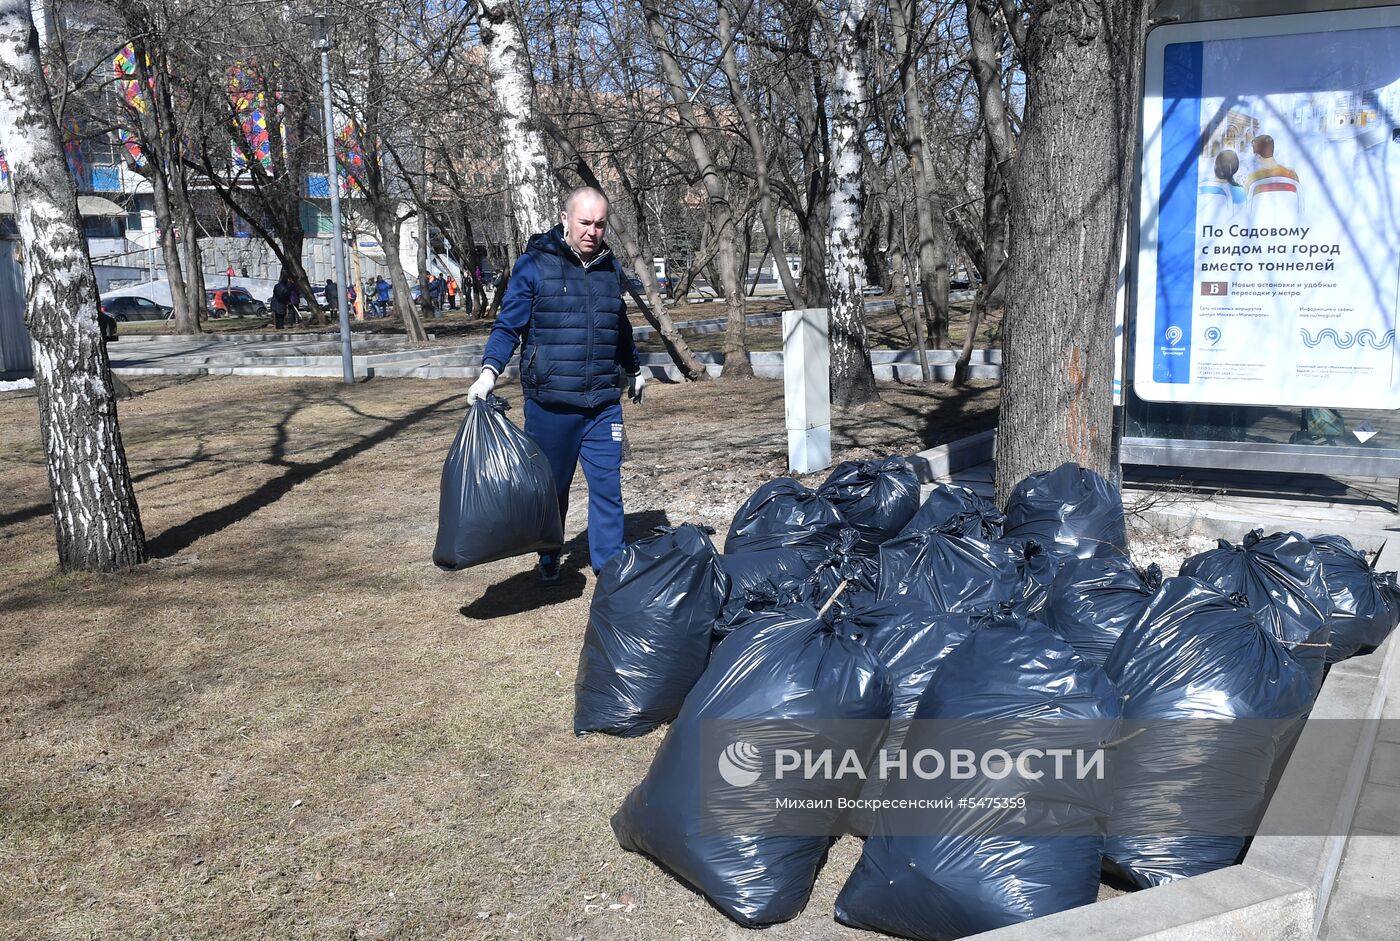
pixel 861 607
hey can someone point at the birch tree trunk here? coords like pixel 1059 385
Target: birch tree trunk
pixel 928 208
pixel 531 185
pixel 1069 199
pixel 852 378
pixel 96 520
pixel 736 352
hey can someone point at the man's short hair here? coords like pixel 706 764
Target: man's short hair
pixel 1264 146
pixel 584 191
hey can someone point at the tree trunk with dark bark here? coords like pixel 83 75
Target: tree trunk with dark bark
pixel 386 222
pixel 163 134
pixel 852 377
pixel 767 209
pixel 999 149
pixel 736 352
pixel 928 207
pixel 1069 198
pixel 96 520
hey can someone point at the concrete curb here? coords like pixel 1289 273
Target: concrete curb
pixel 460 362
pixel 947 459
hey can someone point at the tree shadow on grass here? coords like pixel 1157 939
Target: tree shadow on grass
pixel 522 592
pixel 178 538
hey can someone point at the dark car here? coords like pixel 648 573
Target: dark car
pixel 233 302
pixel 125 309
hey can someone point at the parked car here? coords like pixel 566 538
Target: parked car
pixel 233 302
pixel 125 309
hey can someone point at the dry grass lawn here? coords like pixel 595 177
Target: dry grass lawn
pixel 289 724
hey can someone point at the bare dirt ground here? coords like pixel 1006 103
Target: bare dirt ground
pixel 289 724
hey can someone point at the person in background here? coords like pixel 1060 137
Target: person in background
pixel 563 307
pixel 451 292
pixel 381 295
pixel 438 286
pixel 281 297
pixel 293 304
pixel 332 297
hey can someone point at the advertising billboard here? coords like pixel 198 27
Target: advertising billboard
pixel 1269 241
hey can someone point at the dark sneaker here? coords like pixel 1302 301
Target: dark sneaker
pixel 547 572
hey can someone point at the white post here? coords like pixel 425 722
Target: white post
pixel 807 389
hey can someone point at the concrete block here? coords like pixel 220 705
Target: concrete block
pixel 941 462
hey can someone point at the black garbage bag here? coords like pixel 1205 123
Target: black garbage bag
pixel 1281 577
pixel 497 497
pixel 762 579
pixel 1365 603
pixel 876 497
pixel 784 669
pixel 847 564
pixel 950 573
pixel 648 636
pixel 1035 573
pixel 1069 510
pixel 1093 601
pixel 784 514
pixel 1212 698
pixel 976 516
pixel 910 641
pixel 945 874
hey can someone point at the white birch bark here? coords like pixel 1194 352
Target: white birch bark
pixel 852 379
pixel 531 185
pixel 95 516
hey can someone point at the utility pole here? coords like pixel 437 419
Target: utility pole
pixel 323 22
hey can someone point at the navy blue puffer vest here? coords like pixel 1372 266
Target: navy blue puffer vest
pixel 573 346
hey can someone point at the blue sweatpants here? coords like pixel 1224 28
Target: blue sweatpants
pixel 593 436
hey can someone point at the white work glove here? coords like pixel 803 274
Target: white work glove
pixel 483 385
pixel 635 384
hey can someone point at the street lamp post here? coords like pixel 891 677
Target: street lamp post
pixel 323 22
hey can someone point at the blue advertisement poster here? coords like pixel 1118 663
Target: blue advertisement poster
pixel 1269 249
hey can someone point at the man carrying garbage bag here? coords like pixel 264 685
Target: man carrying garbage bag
pixel 563 307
